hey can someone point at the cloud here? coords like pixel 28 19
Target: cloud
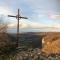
pixel 33 25
pixel 5 10
pixel 23 24
pixel 36 25
pixel 42 8
pixel 26 25
pixel 53 16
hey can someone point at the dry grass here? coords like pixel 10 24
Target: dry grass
pixel 52 43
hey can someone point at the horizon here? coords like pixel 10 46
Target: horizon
pixel 31 30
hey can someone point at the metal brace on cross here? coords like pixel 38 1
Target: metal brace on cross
pixel 18 17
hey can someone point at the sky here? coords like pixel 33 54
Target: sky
pixel 43 15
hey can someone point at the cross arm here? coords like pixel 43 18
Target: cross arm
pixel 11 16
pixel 23 17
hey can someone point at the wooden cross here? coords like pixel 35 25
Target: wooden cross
pixel 17 17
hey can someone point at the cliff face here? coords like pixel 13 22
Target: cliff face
pixel 52 43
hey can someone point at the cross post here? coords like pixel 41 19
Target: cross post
pixel 18 17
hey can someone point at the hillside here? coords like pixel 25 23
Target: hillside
pixel 51 40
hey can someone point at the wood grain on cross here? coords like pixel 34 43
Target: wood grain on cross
pixel 18 18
